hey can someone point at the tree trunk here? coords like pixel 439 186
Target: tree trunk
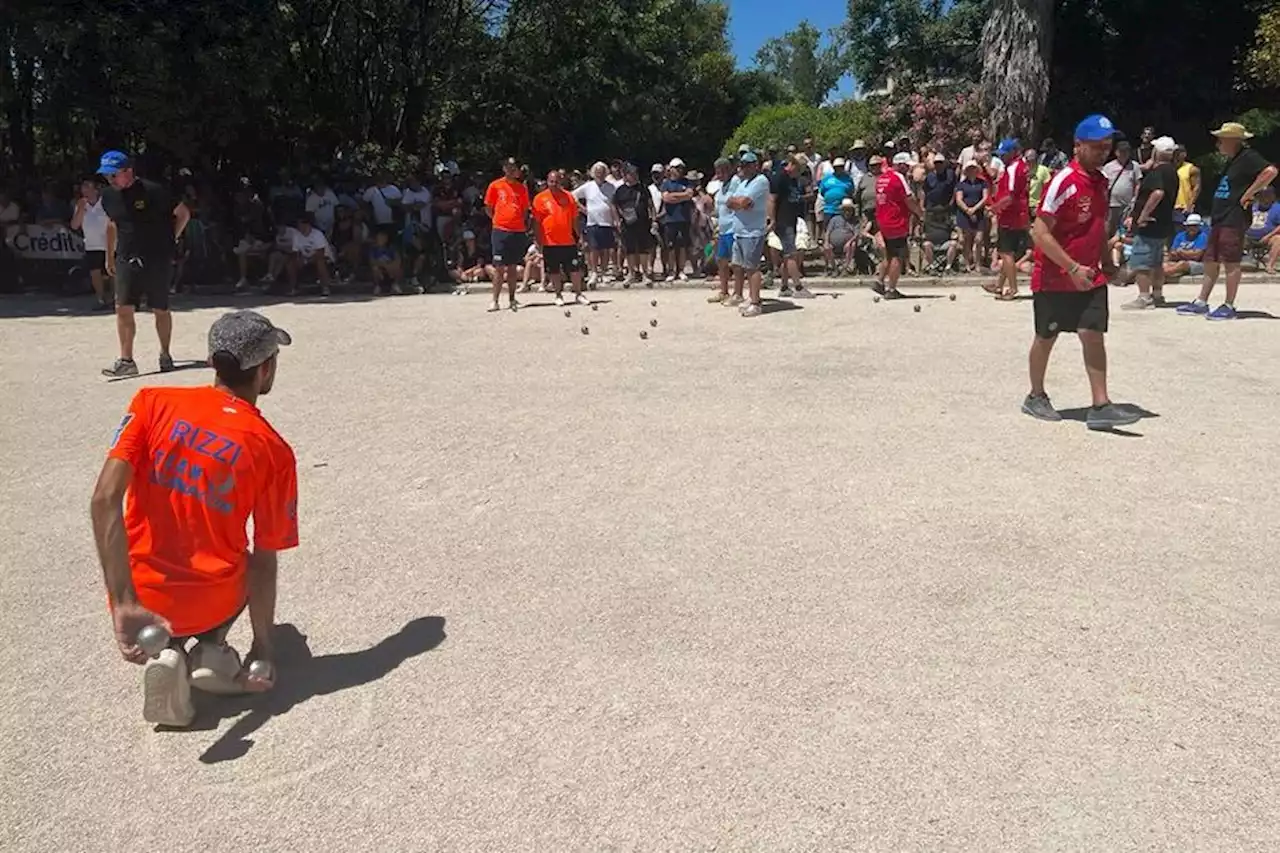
pixel 1017 43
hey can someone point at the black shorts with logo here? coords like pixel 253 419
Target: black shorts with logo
pixel 896 247
pixel 1012 241
pixel 1071 311
pixel 509 247
pixel 561 259
pixel 138 277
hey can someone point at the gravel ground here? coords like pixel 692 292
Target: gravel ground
pixel 802 582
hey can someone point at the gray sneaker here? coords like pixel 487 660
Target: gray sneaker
pixel 802 292
pixel 1141 303
pixel 121 367
pixel 1039 407
pixel 166 363
pixel 752 309
pixel 1110 416
pixel 733 301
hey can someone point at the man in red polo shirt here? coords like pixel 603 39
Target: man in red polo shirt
pixel 1011 204
pixel 1069 281
pixel 895 205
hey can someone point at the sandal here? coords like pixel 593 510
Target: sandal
pixel 1007 296
pixel 992 288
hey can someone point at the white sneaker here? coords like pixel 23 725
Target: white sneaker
pixel 494 306
pixel 166 694
pixel 214 669
pixel 582 299
pixel 242 283
pixel 559 301
pixel 684 276
pixel 670 277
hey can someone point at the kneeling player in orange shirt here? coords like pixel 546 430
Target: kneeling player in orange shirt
pixel 191 466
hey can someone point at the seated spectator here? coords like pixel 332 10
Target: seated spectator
pixel 1186 253
pixel 1262 239
pixel 251 233
pixel 841 239
pixel 286 199
pixel 322 205
pixel 1121 251
pixel 532 269
pixel 383 200
pixel 311 251
pixel 52 211
pixel 446 201
pixel 940 245
pixel 350 235
pixel 281 253
pixel 386 266
pixel 473 260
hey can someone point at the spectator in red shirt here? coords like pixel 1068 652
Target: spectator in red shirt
pixel 895 205
pixel 1069 281
pixel 1011 203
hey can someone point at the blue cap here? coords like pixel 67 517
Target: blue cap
pixel 1007 146
pixel 112 162
pixel 748 157
pixel 1095 128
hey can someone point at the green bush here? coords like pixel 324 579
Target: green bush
pixel 830 126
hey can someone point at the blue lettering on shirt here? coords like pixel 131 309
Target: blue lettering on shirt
pixel 171 470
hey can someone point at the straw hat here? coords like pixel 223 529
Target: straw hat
pixel 1232 130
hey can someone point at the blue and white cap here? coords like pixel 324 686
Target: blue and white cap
pixel 1095 128
pixel 1007 146
pixel 114 161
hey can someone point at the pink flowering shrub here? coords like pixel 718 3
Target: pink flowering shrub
pixel 937 117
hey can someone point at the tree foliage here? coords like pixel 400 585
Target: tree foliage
pixel 913 41
pixel 274 82
pixel 834 126
pixel 1262 64
pixel 806 68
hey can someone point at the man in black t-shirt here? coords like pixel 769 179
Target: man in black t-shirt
pixel 1153 224
pixel 1245 174
pixel 786 200
pixel 143 227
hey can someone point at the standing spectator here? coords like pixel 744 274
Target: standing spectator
pixel 1146 150
pixel 1039 176
pixel 835 188
pixel 596 196
pixel 310 249
pixel 749 202
pixel 144 226
pixel 970 151
pixel 322 205
pixel 895 205
pixel 1011 207
pixel 91 220
pixel 973 194
pixel 634 208
pixel 616 177
pixel 1153 225
pixel 677 199
pixel 1244 175
pixel 555 218
pixel 506 201
pixel 856 166
pixel 657 174
pixel 286 199
pixel 1123 177
pixel 940 184
pixel 785 205
pixel 1070 291
pixel 383 200
pixel 1050 157
pixel 1188 185
pixel 724 228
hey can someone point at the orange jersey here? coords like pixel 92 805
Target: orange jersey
pixel 557 214
pixel 510 203
pixel 204 462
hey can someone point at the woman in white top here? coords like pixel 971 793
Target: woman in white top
pixel 91 220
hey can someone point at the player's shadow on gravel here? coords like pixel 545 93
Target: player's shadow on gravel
pixel 1081 415
pixel 194 364
pixel 303 676
pixel 777 306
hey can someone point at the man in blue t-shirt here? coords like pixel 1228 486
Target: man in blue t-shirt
pixel 835 188
pixel 677 201
pixel 1264 231
pixel 749 201
pixel 1186 253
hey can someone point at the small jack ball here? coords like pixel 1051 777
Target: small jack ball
pixel 595 307
pixel 585 330
pixel 916 308
pixel 875 299
pixel 653 303
pixel 568 313
pixel 952 297
pixel 644 336
pixel 653 323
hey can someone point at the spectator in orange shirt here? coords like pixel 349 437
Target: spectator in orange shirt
pixel 555 216
pixel 196 464
pixel 507 203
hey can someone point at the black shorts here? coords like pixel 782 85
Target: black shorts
pixel 676 235
pixel 509 247
pixel 138 277
pixel 561 259
pixel 636 239
pixel 1012 241
pixel 95 260
pixel 896 247
pixel 1071 311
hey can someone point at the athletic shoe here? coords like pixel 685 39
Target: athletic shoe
pixel 415 289
pixel 121 367
pixel 166 363
pixel 733 301
pixel 214 669
pixel 893 293
pixel 1194 309
pixel 242 285
pixel 166 693
pixel 1158 299
pixel 1110 416
pixel 493 306
pixel 1039 407
pixel 396 289
pixel 582 299
pixel 670 277
pixel 1222 312
pixel 684 276
pixel 751 309
pixel 767 281
pixel 512 305
pixel 559 301
pixel 878 287
pixel 785 293
pixel 1142 303
pixel 718 297
pixel 525 287
pixel 802 292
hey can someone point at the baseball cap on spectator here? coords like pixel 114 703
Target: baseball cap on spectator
pixel 902 158
pixel 875 160
pixel 1007 146
pixel 1095 128
pixel 676 163
pixel 838 163
pixel 848 202
pixel 744 148
pixel 939 158
pixel 723 161
pixel 749 157
pixel 969 164
pixel 247 337
pixel 1194 219
pixel 657 167
pixel 114 161
pixel 1164 144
